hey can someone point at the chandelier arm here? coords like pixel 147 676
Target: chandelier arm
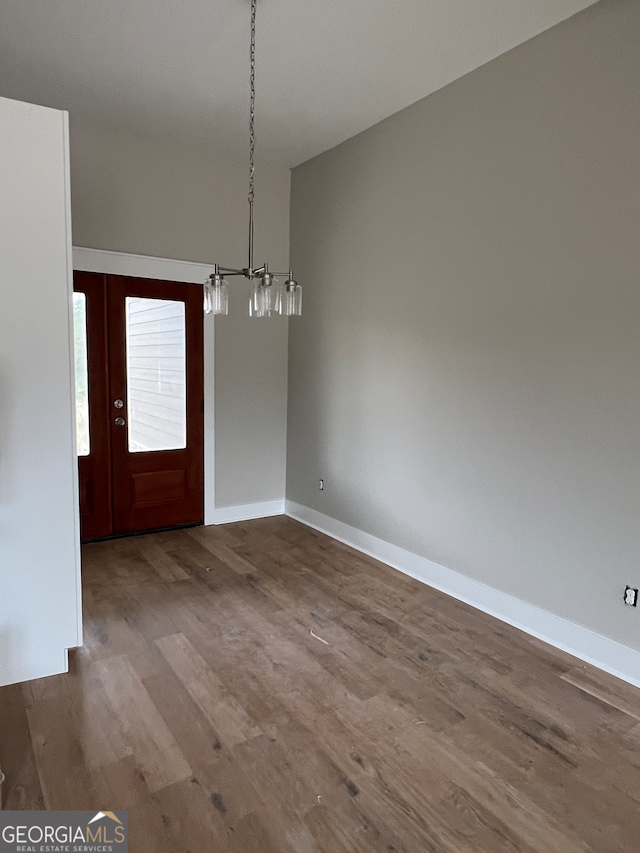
pixel 230 271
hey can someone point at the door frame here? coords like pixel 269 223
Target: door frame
pixel 165 269
pixel 94 470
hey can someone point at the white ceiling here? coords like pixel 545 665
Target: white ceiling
pixel 327 69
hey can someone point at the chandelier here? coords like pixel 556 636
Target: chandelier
pixel 268 295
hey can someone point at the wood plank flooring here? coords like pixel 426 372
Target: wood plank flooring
pixel 261 688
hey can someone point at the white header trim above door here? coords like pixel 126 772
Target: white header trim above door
pixel 139 266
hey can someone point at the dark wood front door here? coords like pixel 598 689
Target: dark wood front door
pixel 141 437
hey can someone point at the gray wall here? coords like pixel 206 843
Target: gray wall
pixel 466 376
pixel 145 196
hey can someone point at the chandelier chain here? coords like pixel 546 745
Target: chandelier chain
pixel 266 296
pixel 252 109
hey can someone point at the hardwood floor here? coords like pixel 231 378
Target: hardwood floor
pixel 261 688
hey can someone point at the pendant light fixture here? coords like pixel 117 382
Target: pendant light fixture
pixel 267 295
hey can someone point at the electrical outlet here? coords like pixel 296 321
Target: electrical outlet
pixel 321 485
pixel 631 596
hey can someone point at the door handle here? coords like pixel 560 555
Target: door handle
pixel 119 421
pixel 118 404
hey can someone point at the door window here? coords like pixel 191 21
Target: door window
pixel 156 374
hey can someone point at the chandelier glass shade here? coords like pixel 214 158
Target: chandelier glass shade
pixel 269 294
pixel 289 298
pixel 261 301
pixel 216 295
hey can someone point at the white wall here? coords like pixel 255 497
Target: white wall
pixel 145 196
pixel 466 373
pixel 40 609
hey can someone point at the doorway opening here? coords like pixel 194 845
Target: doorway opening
pixel 139 404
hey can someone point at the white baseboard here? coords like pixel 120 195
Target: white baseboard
pixel 584 644
pixel 244 512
